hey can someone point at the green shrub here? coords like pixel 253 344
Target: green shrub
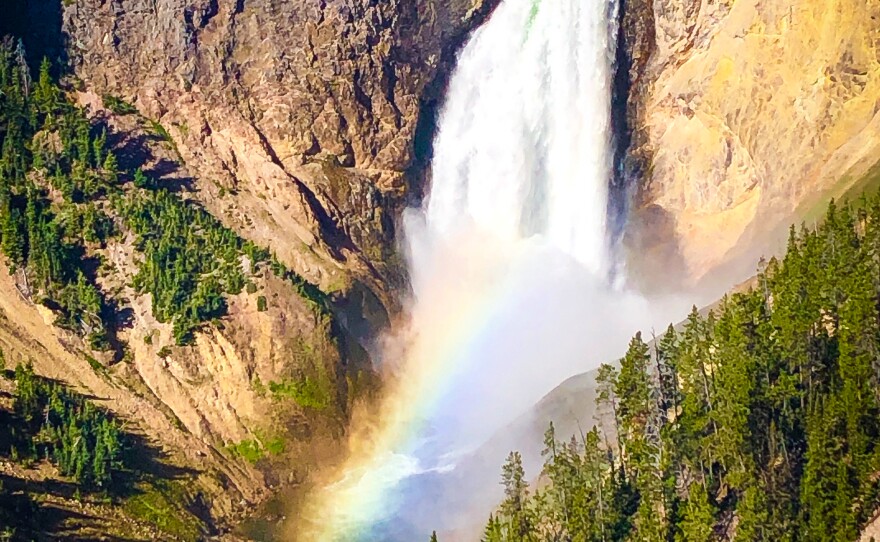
pixel 118 105
pixel 165 504
pixel 249 450
pixel 254 450
pixel 308 392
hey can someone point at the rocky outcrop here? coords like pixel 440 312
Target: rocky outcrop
pixel 237 385
pixel 300 118
pixel 747 114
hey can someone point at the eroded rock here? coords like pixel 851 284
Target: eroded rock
pixel 747 115
pixel 256 92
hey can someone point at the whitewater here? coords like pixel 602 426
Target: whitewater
pixel 511 269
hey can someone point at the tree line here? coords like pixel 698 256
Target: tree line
pixel 53 172
pixel 55 424
pixel 190 260
pixel 758 421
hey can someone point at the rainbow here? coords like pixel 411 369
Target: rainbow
pixel 520 175
pixel 441 338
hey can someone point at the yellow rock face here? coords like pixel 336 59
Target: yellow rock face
pixel 752 110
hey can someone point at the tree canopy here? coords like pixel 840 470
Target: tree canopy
pixel 756 421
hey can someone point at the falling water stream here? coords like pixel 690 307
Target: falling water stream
pixel 523 147
pixel 509 260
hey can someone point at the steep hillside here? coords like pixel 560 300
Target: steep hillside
pixel 746 113
pixel 571 407
pixel 117 284
pixel 304 120
pixel 218 216
pixel 756 420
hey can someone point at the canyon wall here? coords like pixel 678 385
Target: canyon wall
pixel 305 128
pixel 301 119
pixel 746 116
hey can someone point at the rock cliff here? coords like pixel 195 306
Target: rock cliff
pixel 214 407
pixel 303 127
pixel 301 119
pixel 746 114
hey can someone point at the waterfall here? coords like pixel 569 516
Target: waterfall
pixel 509 263
pixel 523 146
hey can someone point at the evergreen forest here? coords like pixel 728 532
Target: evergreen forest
pixel 63 197
pixel 757 421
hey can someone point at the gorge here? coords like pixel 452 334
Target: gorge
pixel 414 219
pixel 515 285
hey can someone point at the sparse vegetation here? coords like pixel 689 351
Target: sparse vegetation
pixel 258 386
pixel 160 131
pixel 256 449
pixel 118 106
pixel 319 300
pixel 309 386
pixel 307 392
pixel 249 450
pixel 163 503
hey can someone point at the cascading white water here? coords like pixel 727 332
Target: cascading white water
pixel 519 196
pixel 509 263
pixel 524 144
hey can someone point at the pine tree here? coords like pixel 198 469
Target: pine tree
pixel 641 421
pixel 493 531
pixel 698 517
pixel 141 180
pixel 606 399
pixel 734 377
pixel 753 516
pixel 515 511
pixel 46 95
pixel 667 372
pixel 110 168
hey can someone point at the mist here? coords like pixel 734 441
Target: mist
pixel 514 285
pixel 492 327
